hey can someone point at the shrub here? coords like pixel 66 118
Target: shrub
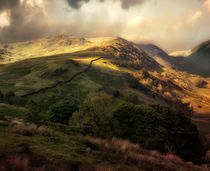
pixel 140 124
pixel 19 127
pixel 134 155
pixel 1 95
pixel 8 97
pixel 132 98
pixel 62 111
pixel 201 84
pixel 34 115
pixel 182 108
pixel 156 127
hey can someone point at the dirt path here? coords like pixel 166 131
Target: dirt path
pixel 63 82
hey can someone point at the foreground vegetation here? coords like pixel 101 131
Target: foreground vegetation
pixel 51 146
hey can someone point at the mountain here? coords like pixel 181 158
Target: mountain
pixel 127 54
pixel 49 46
pixel 195 61
pixel 181 71
pixel 34 76
pixel 160 74
pixel 98 75
pixel 199 61
pixel 157 53
pixel 153 50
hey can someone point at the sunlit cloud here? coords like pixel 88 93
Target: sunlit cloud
pixel 173 25
pixel 4 19
pixel 190 21
pixel 206 5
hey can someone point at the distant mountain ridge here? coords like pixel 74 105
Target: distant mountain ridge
pixel 158 54
pixel 198 62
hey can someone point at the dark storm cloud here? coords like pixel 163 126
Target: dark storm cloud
pixel 126 4
pixel 25 22
pixel 76 4
pixel 8 4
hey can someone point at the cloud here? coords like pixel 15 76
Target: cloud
pixel 126 4
pixel 8 4
pixel 4 19
pixel 190 21
pixel 76 4
pixel 206 5
pixel 26 20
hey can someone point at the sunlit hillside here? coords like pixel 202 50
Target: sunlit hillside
pixel 128 58
pixel 47 47
pixel 181 53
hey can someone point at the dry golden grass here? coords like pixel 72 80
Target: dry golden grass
pixel 132 154
pixel 19 127
pixel 15 164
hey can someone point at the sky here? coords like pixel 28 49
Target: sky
pixel 173 25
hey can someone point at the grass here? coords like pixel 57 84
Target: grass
pixel 8 111
pixel 51 46
pixel 42 72
pixel 45 72
pixel 65 150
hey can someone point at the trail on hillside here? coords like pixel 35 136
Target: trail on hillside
pixel 63 82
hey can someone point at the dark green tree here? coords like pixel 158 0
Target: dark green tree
pixel 160 128
pixel 62 111
pixel 94 115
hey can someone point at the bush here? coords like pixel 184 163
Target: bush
pixel 132 98
pixel 156 127
pixel 1 95
pixel 201 84
pixel 8 111
pixel 34 115
pixel 140 124
pixel 19 127
pixel 62 111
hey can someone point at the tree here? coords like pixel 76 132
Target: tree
pixel 62 111
pixel 140 124
pixel 160 128
pixel 93 116
pixel 34 108
pixel 1 95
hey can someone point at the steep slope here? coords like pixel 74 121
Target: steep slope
pixel 157 53
pixel 199 60
pixel 195 61
pixel 182 72
pixel 127 54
